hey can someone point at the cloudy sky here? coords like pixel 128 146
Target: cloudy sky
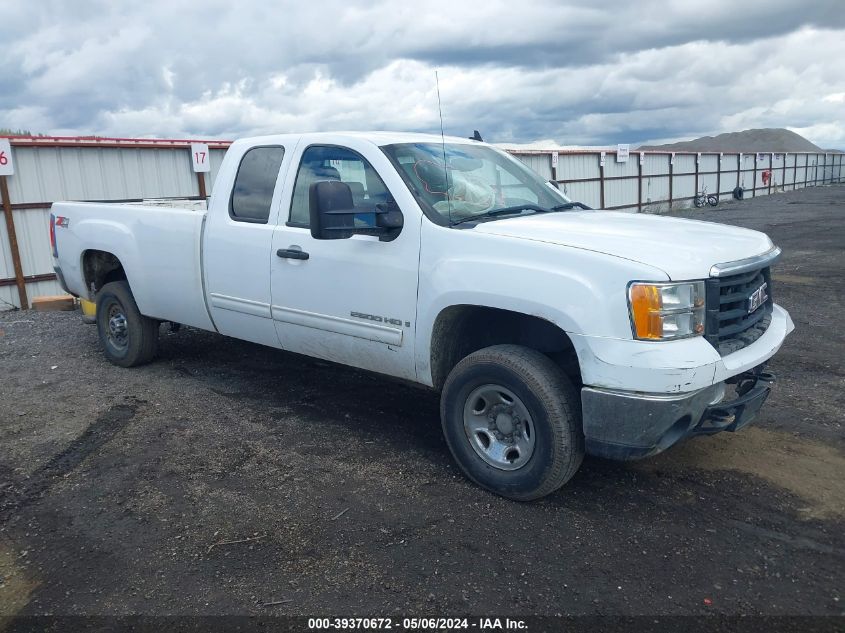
pixel 518 70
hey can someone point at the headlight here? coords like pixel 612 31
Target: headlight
pixel 661 312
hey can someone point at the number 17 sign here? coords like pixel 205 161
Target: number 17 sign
pixel 200 157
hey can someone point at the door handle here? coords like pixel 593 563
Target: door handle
pixel 290 253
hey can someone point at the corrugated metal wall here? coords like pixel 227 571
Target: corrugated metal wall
pixel 47 170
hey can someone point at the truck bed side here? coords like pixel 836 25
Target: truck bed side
pixel 158 247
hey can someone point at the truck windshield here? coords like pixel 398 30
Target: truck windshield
pixel 474 182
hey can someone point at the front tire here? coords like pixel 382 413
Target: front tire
pixel 512 420
pixel 127 336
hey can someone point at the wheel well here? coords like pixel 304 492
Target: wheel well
pixel 100 268
pixel 464 329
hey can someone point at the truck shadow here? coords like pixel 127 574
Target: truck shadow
pixel 400 423
pixel 398 417
pixel 289 385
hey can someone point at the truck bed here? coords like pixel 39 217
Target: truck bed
pixel 157 242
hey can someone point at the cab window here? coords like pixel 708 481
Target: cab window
pixel 320 162
pixel 252 193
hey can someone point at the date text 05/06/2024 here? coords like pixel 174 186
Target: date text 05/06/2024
pixel 414 624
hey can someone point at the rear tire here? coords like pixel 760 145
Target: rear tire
pixel 127 336
pixel 712 201
pixel 512 420
pixel 698 201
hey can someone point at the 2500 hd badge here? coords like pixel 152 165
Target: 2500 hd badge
pixel 379 319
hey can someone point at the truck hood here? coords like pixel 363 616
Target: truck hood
pixel 683 249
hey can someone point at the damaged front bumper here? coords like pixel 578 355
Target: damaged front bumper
pixel 626 425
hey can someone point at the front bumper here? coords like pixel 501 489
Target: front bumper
pixel 676 367
pixel 625 425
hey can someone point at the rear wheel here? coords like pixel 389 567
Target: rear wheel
pixel 712 201
pixel 698 201
pixel 512 420
pixel 128 337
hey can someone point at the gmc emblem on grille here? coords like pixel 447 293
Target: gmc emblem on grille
pixel 757 298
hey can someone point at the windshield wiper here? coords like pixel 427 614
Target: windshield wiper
pixel 569 205
pixel 517 208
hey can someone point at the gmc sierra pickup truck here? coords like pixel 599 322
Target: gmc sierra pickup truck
pixel 549 329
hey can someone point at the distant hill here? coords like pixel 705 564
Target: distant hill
pixel 759 140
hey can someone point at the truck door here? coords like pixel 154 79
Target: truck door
pixel 237 242
pixel 350 300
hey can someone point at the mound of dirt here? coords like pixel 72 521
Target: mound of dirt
pixel 757 140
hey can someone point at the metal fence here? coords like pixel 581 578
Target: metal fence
pixel 658 181
pixel 96 169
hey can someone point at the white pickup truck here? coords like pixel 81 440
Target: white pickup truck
pixel 550 329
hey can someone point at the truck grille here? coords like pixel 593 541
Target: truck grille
pixel 729 326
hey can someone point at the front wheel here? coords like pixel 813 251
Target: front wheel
pixel 712 201
pixel 698 201
pixel 128 337
pixel 512 420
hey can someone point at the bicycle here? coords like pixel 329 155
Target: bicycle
pixel 701 198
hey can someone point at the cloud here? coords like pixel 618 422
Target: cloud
pixel 619 72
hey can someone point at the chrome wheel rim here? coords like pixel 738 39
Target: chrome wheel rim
pixel 117 329
pixel 498 427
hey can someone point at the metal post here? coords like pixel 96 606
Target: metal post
pixel 695 191
pixel 13 243
pixel 640 185
pixel 771 173
pixel 671 179
pixel 601 182
pixel 201 183
pixel 738 167
pixel 783 172
pixel 794 170
pixel 719 177
pixel 806 166
pixel 754 188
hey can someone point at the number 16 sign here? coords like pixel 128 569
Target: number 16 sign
pixel 199 157
pixel 7 168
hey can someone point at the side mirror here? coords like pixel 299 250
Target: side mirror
pixel 331 210
pixel 332 213
pixel 388 216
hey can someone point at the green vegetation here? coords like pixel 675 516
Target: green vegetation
pixel 6 131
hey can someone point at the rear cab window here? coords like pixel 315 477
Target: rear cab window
pixel 252 193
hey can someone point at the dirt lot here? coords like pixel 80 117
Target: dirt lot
pixel 226 476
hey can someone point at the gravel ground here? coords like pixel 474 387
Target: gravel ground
pixel 226 476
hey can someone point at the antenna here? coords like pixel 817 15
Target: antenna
pixel 443 145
